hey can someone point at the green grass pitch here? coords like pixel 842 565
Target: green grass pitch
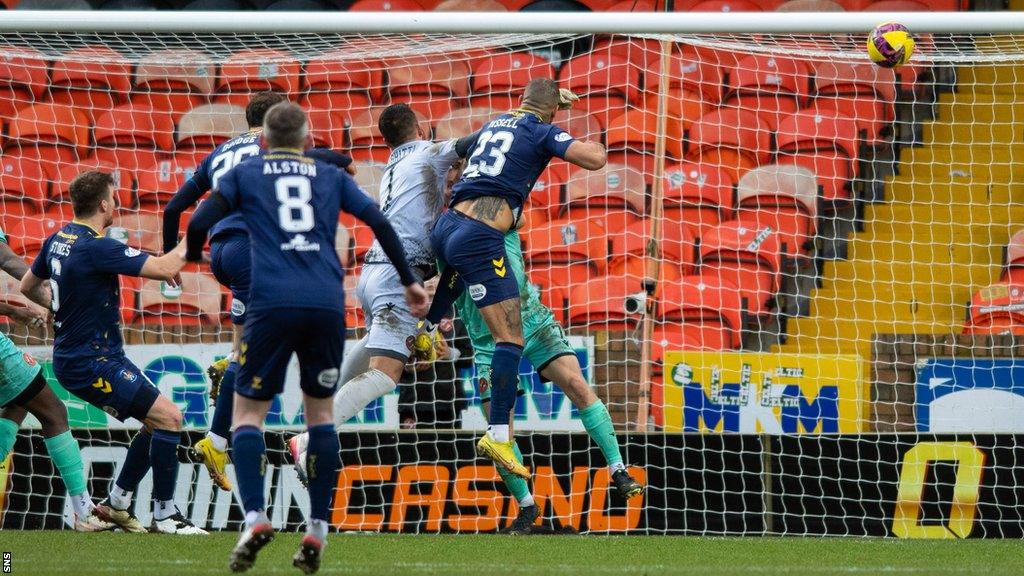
pixel 36 552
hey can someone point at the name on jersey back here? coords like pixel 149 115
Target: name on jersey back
pixel 289 167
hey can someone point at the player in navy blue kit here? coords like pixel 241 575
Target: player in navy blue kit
pixel 229 261
pixel 511 152
pixel 290 204
pixel 82 268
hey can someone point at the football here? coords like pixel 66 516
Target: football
pixel 890 45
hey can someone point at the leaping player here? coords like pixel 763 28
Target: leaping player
pixel 290 204
pixel 411 194
pixel 510 154
pixel 230 263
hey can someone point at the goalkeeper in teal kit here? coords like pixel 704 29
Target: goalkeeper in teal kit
pixel 552 357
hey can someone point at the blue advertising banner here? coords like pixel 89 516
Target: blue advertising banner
pixel 970 395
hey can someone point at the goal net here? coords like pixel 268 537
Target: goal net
pixel 795 285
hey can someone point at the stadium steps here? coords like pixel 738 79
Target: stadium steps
pixel 939 236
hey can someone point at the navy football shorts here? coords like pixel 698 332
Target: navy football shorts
pixel 112 384
pixel 315 335
pixel 477 252
pixel 231 264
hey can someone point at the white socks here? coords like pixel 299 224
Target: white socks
pixel 164 509
pixel 82 504
pixel 255 517
pixel 318 529
pixel 526 501
pixel 358 392
pixel 613 468
pixel 498 432
pixel 120 498
pixel 219 442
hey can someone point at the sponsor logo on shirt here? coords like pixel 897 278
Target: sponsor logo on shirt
pixel 563 137
pixel 237 307
pixel 299 243
pixel 131 252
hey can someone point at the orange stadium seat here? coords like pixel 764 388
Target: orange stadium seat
pixel 747 257
pixel 605 84
pixel 632 136
pixel 599 304
pixel 770 86
pixel 470 6
pixel 710 311
pixel 207 126
pixel 93 80
pixel 784 198
pixel 864 92
pixel 697 195
pixel 997 309
pixel 27 236
pixel 462 122
pixel 642 53
pixel 23 79
pixel 53 133
pixel 432 86
pixel 124 181
pixel 694 87
pixel 1013 271
pixel 369 176
pixel 825 144
pixel 614 195
pixel 335 81
pixel 257 70
pixel 174 80
pixel 676 246
pixel 327 129
pixel 547 193
pixel 572 250
pixel 676 336
pixel 159 182
pixel 139 230
pixel 22 179
pixel 367 143
pixel 499 81
pixel 354 317
pixel 131 137
pixel 736 140
pixel 196 301
pixel 552 288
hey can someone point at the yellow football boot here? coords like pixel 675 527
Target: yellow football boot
pixel 503 454
pixel 215 462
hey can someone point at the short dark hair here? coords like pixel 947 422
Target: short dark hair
pixel 397 124
pixel 541 94
pixel 258 105
pixel 88 189
pixel 285 126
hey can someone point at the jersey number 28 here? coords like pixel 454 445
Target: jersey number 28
pixel 489 156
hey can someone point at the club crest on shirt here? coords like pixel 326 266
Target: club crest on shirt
pixel 237 307
pixel 131 252
pixel 129 375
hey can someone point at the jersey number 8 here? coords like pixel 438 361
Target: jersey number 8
pixel 489 156
pixel 294 193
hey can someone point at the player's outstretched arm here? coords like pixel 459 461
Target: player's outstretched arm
pixel 164 267
pixel 11 262
pixel 209 213
pixel 186 197
pixel 588 155
pixel 34 288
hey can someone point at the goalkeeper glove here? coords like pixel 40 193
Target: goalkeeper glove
pixel 566 98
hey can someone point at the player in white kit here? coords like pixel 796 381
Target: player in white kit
pixel 412 192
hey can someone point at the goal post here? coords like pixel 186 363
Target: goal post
pixel 795 286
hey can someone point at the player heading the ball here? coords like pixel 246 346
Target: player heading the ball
pixel 510 153
pixel 290 204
